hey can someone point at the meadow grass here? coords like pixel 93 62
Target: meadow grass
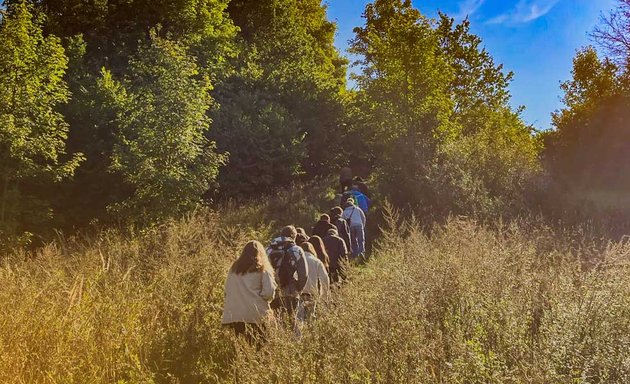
pixel 465 303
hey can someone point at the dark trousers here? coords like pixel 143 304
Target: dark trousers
pixel 253 333
pixel 286 308
pixel 337 274
pixel 285 305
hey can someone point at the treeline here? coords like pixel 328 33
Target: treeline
pixel 135 111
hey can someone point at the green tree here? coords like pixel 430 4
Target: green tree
pixel 588 151
pixel 496 155
pixel 109 34
pixel 160 149
pixel 433 108
pixel 113 30
pixel 290 70
pixel 32 132
pixel 403 106
pixel 262 137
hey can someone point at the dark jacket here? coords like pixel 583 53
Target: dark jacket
pixel 363 188
pixel 295 287
pixel 321 228
pixel 343 230
pixel 337 250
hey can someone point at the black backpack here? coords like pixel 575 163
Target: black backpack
pixel 283 263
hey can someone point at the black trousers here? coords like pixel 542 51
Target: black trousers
pixel 286 305
pixel 252 332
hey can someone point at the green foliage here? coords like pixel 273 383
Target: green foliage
pixel 32 132
pixel 110 34
pixel 403 104
pixel 587 153
pixel 160 148
pixel 434 107
pixel 114 30
pixel 262 138
pixel 477 82
pixel 489 168
pixel 283 103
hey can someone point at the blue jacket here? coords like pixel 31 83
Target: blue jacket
pixel 362 201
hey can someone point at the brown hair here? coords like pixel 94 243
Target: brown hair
pixel 289 231
pixel 336 211
pixel 308 247
pixel 320 249
pixel 253 259
pixel 301 238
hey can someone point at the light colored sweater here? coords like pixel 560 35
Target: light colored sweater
pixel 247 297
pixel 354 215
pixel 316 272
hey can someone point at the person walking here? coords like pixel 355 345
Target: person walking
pixel 362 201
pixel 343 229
pixel 249 288
pixel 317 285
pixel 361 185
pixel 356 219
pixel 322 226
pixel 320 250
pixel 337 253
pixel 345 179
pixel 291 271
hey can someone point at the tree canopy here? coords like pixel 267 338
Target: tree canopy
pixel 136 111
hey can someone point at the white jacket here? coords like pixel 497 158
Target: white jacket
pixel 316 272
pixel 354 215
pixel 247 297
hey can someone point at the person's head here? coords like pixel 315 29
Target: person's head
pixel 301 238
pixel 325 218
pixel 320 249
pixel 308 247
pixel 333 232
pixel 289 231
pixel 253 259
pixel 336 212
pixel 358 179
pixel 300 230
pixel 355 187
pixel 349 203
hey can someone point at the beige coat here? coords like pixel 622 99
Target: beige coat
pixel 316 273
pixel 247 297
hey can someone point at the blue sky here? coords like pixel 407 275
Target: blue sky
pixel 536 39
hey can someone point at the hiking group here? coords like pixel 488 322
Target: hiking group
pixel 287 279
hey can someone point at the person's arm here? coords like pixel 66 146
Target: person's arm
pixel 302 269
pixel 324 280
pixel 344 248
pixel 362 216
pixel 268 286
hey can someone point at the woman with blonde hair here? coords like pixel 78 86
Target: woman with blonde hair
pixel 249 288
pixel 317 285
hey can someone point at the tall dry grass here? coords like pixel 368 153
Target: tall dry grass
pixel 467 304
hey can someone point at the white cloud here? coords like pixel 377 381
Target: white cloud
pixel 524 12
pixel 467 8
